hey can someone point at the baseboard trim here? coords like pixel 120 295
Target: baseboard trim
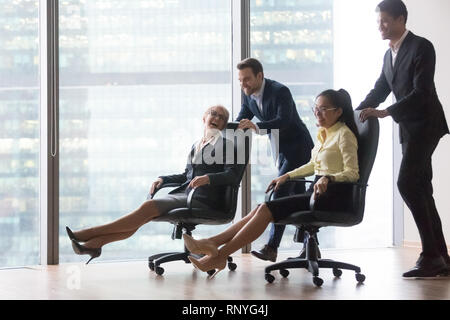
pixel 412 244
pixel 416 244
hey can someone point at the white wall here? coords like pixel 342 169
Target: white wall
pixel 430 20
pixel 358 59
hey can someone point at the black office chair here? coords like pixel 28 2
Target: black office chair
pixel 186 219
pixel 311 221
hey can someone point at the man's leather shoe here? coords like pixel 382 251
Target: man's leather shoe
pixel 428 268
pixel 266 253
pixel 447 261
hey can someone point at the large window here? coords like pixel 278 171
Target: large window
pixel 19 133
pixel 311 46
pixel 136 78
pixel 294 41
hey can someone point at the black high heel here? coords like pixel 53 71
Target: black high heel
pixel 71 235
pixel 80 249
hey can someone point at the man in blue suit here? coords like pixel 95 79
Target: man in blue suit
pixel 272 104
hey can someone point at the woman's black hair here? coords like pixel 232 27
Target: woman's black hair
pixel 341 99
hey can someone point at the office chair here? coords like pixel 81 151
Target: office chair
pixel 186 219
pixel 311 221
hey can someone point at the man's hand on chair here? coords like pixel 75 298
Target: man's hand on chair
pixel 246 124
pixel 199 181
pixel 371 112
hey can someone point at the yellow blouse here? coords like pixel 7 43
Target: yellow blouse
pixel 335 154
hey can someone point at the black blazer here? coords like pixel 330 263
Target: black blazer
pixel 280 112
pixel 225 171
pixel 417 110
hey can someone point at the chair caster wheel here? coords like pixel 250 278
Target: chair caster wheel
pixel 159 271
pixel 360 277
pixel 211 272
pixel 337 272
pixel 232 266
pixel 269 278
pixel 151 265
pixel 317 281
pixel 284 273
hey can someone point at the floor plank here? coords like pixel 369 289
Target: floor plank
pixel 133 280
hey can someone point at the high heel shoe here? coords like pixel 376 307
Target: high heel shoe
pixel 80 249
pixel 71 235
pixel 205 268
pixel 200 246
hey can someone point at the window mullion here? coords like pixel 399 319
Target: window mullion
pixel 49 163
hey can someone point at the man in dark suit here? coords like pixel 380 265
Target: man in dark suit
pixel 273 105
pixel 408 72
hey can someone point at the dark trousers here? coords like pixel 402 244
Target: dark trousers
pixel 416 189
pixel 276 230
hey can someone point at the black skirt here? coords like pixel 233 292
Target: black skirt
pixel 338 197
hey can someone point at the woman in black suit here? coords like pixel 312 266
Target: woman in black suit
pixel 204 171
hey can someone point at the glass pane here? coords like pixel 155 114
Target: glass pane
pixel 358 70
pixel 294 42
pixel 136 78
pixel 19 133
pixel 299 46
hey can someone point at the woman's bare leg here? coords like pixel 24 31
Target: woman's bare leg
pixel 248 233
pixel 229 233
pixel 126 224
pixel 100 241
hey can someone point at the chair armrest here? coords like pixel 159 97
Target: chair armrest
pixel 312 202
pixel 192 192
pixel 164 185
pixel 190 197
pixel 269 195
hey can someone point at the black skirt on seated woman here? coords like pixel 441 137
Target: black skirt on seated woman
pixel 337 198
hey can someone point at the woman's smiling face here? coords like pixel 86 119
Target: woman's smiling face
pixel 326 114
pixel 215 118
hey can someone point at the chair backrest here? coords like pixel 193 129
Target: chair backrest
pixel 368 132
pixel 242 142
pixel 367 145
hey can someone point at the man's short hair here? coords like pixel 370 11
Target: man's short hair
pixel 251 63
pixel 395 8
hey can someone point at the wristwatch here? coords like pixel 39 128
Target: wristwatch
pixel 330 178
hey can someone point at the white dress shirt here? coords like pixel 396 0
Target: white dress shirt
pixel 396 46
pixel 199 145
pixel 258 96
pixel 274 137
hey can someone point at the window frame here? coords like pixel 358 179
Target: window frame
pixel 49 126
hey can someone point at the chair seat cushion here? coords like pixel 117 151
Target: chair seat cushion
pixel 321 219
pixel 195 216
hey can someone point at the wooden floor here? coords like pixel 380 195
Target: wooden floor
pixel 133 280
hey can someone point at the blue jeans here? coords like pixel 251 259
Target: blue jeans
pixel 277 230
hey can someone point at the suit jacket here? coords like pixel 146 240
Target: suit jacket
pixel 279 112
pixel 219 164
pixel 417 110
